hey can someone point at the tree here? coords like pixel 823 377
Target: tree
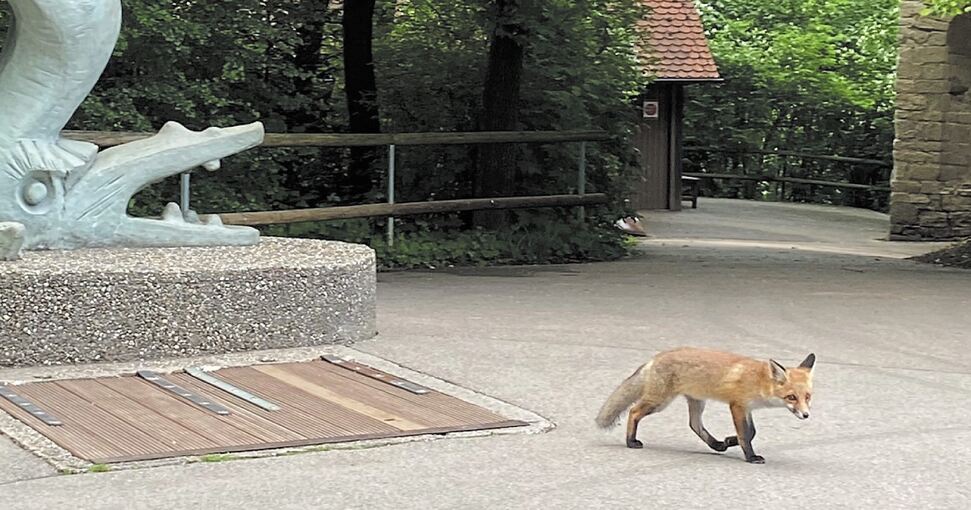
pixel 361 89
pixel 947 8
pixel 495 174
pixel 814 76
pixel 579 71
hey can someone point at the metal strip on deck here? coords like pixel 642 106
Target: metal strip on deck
pixel 29 406
pixel 235 391
pixel 121 419
pixel 161 382
pixel 375 374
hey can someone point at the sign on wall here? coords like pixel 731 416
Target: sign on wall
pixel 651 109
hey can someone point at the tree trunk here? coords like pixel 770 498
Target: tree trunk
pixel 361 87
pixel 495 174
pixel 314 67
pixel 312 64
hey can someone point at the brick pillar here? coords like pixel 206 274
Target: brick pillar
pixel 931 182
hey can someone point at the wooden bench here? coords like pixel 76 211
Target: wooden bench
pixel 689 190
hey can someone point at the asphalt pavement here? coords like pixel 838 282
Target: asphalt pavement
pixel 893 376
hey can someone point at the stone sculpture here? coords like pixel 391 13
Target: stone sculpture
pixel 57 193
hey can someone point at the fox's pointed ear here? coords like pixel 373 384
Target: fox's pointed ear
pixel 808 362
pixel 778 371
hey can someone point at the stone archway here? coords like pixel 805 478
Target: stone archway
pixel 931 196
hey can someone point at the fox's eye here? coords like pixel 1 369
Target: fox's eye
pixel 808 396
pixel 791 398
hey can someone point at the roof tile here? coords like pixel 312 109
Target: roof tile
pixel 679 49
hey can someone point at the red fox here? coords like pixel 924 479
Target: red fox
pixel 743 383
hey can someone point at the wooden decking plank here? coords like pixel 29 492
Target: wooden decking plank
pixel 332 419
pixel 268 428
pixel 458 409
pixel 375 374
pixel 356 388
pixel 125 419
pixel 285 374
pixel 137 414
pixel 202 401
pixel 325 440
pixel 205 423
pixel 104 428
pixel 18 400
pixel 216 382
pixel 73 438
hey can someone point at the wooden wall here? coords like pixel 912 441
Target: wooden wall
pixel 659 144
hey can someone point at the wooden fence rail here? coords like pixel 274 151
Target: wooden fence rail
pixel 825 157
pixel 391 140
pixel 111 138
pixel 409 208
pixel 796 180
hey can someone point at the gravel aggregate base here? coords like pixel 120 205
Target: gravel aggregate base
pixel 96 305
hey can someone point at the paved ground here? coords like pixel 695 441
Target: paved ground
pixel 825 229
pixel 893 376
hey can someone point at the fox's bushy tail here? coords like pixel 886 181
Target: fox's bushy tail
pixel 622 398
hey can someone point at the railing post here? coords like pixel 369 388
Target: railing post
pixel 184 193
pixel 391 193
pixel 582 178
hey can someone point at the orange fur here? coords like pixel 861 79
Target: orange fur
pixel 701 375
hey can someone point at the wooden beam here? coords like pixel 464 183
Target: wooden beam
pixel 772 178
pixel 111 138
pixel 409 208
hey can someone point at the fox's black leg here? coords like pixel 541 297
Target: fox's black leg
pixel 745 430
pixel 695 409
pixel 640 410
pixel 733 440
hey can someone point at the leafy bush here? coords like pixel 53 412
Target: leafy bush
pixel 812 76
pixel 526 242
pixel 238 61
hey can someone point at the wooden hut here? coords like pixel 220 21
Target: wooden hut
pixel 678 55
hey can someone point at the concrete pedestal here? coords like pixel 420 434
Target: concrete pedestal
pixel 118 304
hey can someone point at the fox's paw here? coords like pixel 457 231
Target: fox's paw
pixel 731 441
pixel 755 459
pixel 633 443
pixel 719 446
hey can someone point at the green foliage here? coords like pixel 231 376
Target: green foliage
pixel 222 63
pixel 237 61
pixel 814 76
pixel 99 468
pixel 580 72
pixel 947 8
pixel 217 457
pixel 548 243
pixel 531 240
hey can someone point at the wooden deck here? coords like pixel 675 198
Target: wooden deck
pixel 121 419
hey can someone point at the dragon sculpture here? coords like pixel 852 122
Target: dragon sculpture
pixel 57 193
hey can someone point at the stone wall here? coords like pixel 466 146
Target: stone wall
pixel 931 182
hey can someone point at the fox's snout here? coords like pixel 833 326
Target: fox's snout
pixel 802 415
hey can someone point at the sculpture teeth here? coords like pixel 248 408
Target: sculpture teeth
pixel 212 219
pixel 191 216
pixel 173 213
pixel 212 166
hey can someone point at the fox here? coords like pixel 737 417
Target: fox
pixel 744 383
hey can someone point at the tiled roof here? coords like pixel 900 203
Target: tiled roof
pixel 679 48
